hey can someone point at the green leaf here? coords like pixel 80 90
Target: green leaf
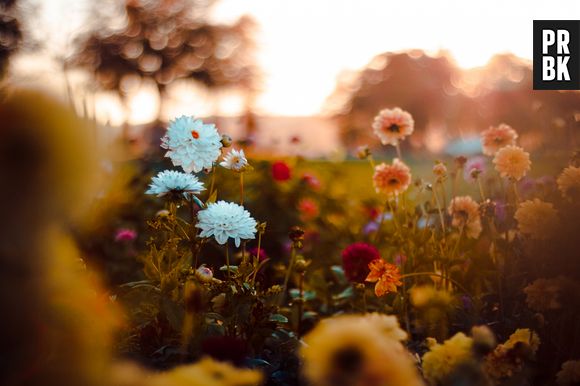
pixel 213 197
pixel 278 318
pixel 347 293
pixel 339 274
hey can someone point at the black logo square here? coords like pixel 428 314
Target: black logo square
pixel 556 54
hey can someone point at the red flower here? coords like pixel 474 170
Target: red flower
pixel 308 209
pixel 355 261
pixel 280 171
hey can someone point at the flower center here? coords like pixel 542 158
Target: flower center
pixel 393 181
pixel 394 128
pixel 348 359
pixel 194 134
pixel 498 140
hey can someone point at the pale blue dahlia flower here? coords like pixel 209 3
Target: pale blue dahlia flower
pixel 173 182
pixel 192 144
pixel 223 220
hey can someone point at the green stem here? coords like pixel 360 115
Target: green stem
pixel 257 264
pixel 288 274
pixel 242 188
pixel 439 209
pixel 480 189
pixel 382 214
pixel 228 261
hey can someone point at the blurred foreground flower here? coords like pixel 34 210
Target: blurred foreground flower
pixel 393 125
pixel 235 160
pixel 386 275
pixel 356 259
pixel 392 179
pixel 171 182
pixel 512 162
pixel 443 360
pixel 537 219
pixel 508 359
pixel 464 213
pixel 206 372
pixel 223 220
pixel 192 144
pixel 353 350
pixel 496 138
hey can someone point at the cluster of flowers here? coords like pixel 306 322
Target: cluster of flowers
pixel 196 147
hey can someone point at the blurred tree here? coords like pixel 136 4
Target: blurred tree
pixel 446 99
pixel 10 32
pixel 166 40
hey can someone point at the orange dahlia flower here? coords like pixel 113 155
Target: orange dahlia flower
pixel 386 275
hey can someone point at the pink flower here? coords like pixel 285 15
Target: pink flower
pixel 124 234
pixel 311 180
pixel 393 125
pixel 281 171
pixel 496 138
pixel 392 179
pixel 474 166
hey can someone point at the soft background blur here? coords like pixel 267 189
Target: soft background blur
pixel 301 77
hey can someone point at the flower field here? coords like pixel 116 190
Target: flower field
pixel 201 264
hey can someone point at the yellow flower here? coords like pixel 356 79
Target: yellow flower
pixel 570 374
pixel 525 336
pixel 386 275
pixel 536 218
pixel 569 182
pixel 542 295
pixel 512 162
pixel 442 359
pixel 355 350
pixel 206 372
pixel 464 213
pixel 497 137
pixel 387 324
pixel 392 126
pixel 392 179
pixel 483 336
pixel 428 296
pixel 504 361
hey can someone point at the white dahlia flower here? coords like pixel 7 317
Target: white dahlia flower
pixel 173 182
pixel 192 144
pixel 224 220
pixel 235 160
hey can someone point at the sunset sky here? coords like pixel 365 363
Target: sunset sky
pixel 305 44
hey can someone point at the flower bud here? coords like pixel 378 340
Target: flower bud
pixel 440 170
pixel 226 140
pixel 296 234
pixel 163 213
pixel 363 152
pixel 460 161
pixel 204 274
pixel 300 265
